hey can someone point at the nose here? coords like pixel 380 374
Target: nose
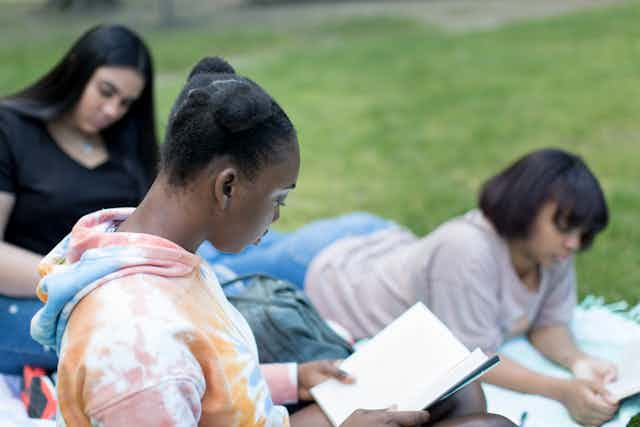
pixel 112 108
pixel 572 241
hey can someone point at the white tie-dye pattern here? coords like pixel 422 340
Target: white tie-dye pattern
pixel 109 350
pixel 180 410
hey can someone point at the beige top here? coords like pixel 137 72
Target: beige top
pixel 462 271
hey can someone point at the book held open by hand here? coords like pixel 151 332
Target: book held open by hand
pixel 628 382
pixel 412 363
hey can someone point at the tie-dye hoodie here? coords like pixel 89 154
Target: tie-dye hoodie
pixel 146 336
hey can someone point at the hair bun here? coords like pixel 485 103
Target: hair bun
pixel 212 65
pixel 239 104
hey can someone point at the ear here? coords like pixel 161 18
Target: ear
pixel 224 187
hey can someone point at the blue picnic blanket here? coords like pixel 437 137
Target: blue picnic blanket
pixel 602 330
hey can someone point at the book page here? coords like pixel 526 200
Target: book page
pixel 628 382
pixel 410 354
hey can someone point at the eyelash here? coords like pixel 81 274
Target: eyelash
pixel 108 93
pixel 280 203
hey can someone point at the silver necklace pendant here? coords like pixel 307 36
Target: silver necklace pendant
pixel 87 148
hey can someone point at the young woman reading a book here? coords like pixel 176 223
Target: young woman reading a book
pixel 145 334
pixel 502 270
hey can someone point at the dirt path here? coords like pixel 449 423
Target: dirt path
pixel 455 15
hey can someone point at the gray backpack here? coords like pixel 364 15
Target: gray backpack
pixel 285 324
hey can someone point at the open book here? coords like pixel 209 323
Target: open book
pixel 628 383
pixel 412 363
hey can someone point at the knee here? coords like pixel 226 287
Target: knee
pixel 470 400
pixel 494 420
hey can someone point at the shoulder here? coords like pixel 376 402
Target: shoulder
pixel 465 237
pixel 15 126
pixel 12 118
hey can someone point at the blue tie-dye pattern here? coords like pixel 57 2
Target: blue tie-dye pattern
pixel 66 287
pixel 268 404
pixel 49 322
pixel 255 377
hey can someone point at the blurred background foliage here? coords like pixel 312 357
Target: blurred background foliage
pixel 402 108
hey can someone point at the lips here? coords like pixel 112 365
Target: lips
pixel 101 124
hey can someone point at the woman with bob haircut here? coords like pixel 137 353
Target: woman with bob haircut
pixel 81 138
pixel 503 270
pixel 145 334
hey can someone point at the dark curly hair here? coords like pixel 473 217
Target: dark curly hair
pixel 219 113
pixel 512 199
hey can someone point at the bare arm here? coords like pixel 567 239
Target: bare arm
pixel 510 374
pixel 557 344
pixel 18 267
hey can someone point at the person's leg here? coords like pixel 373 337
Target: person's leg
pixel 483 420
pixel 287 255
pixel 17 348
pixel 466 408
pixel 312 416
pixel 469 400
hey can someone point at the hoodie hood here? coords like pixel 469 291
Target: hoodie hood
pixel 93 255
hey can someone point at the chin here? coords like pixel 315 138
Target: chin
pixel 90 130
pixel 230 249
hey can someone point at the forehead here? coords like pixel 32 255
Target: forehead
pixel 548 210
pixel 282 173
pixel 126 80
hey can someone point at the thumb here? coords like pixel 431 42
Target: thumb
pixel 600 391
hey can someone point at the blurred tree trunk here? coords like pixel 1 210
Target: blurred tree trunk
pixel 64 5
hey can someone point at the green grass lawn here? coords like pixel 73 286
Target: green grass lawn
pixel 407 121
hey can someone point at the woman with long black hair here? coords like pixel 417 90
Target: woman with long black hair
pixel 80 138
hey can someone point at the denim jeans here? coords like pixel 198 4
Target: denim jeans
pixel 17 348
pixel 287 255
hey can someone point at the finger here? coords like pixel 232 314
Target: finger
pixel 611 399
pixel 408 418
pixel 597 388
pixel 611 375
pixel 331 370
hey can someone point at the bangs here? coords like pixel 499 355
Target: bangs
pixel 581 204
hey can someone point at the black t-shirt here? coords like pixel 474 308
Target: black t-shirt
pixel 52 190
